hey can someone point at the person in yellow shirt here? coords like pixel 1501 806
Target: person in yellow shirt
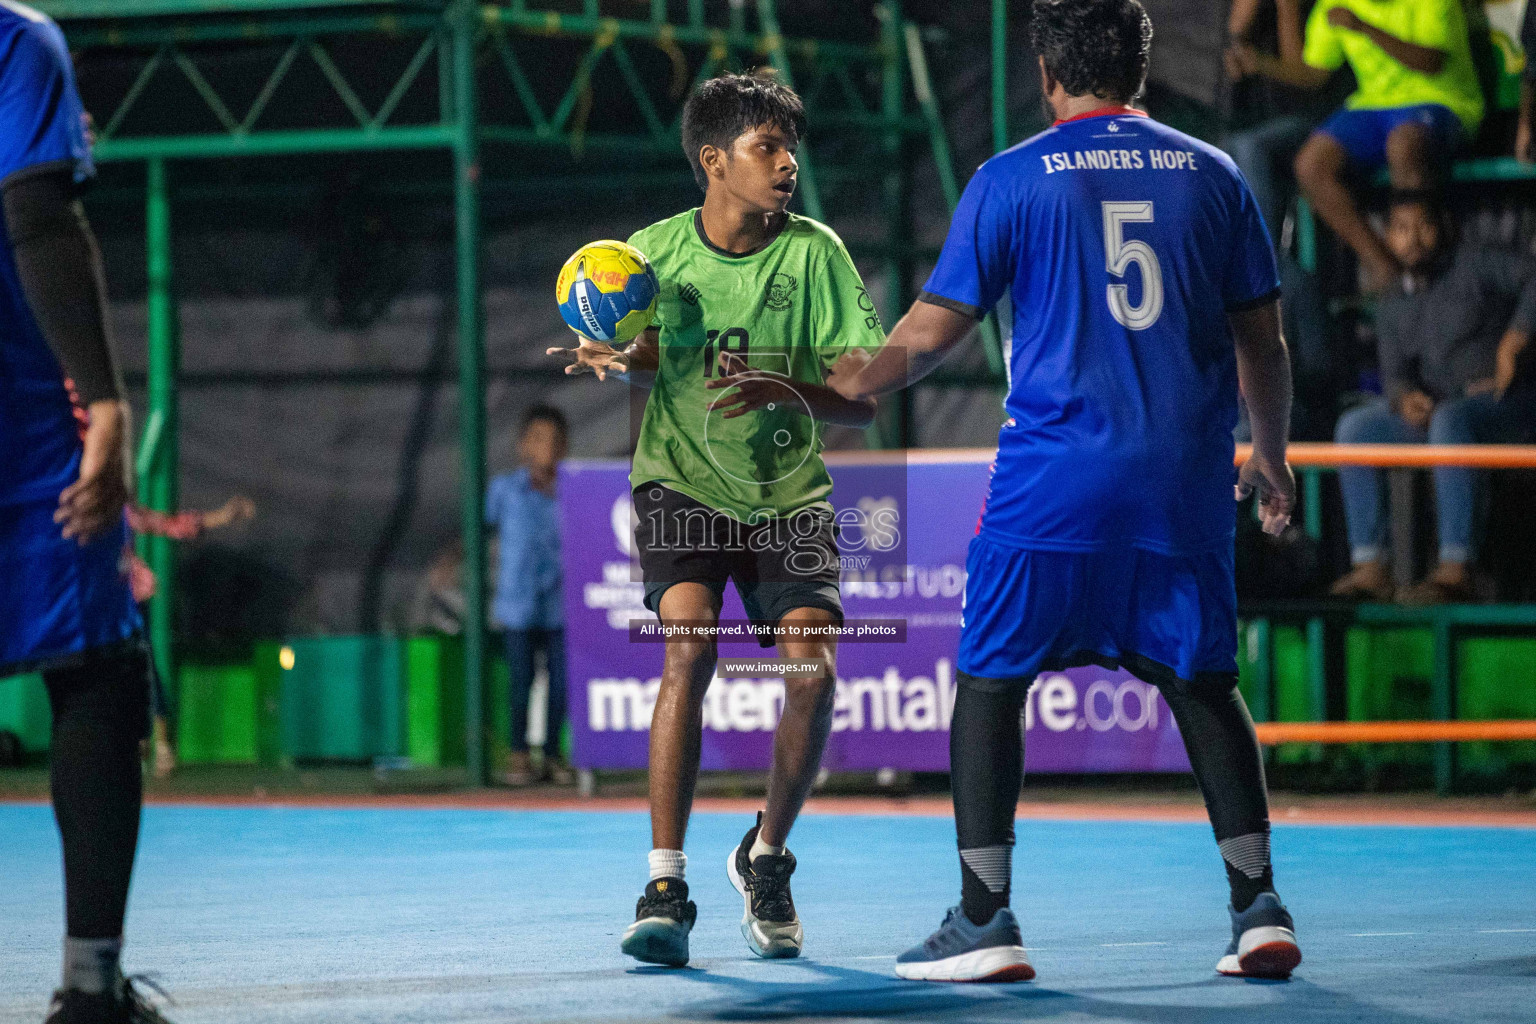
pixel 1417 101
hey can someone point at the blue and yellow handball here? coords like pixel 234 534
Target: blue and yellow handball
pixel 607 292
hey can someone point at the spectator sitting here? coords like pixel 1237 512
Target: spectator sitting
pixel 1449 339
pixel 1261 151
pixel 528 592
pixel 1266 152
pixel 1418 100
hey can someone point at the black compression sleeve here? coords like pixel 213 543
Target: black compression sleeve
pixel 63 278
pixel 100 713
pixel 986 765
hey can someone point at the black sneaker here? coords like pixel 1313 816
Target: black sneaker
pixel 768 922
pixel 125 1006
pixel 663 918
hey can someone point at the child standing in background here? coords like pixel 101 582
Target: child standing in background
pixel 522 506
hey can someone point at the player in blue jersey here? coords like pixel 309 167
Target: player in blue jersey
pixel 66 607
pixel 1144 294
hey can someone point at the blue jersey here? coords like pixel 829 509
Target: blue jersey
pixel 60 598
pixel 1125 244
pixel 42 128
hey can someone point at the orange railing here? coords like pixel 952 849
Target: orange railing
pixel 1310 461
pixel 1273 733
pixel 1406 456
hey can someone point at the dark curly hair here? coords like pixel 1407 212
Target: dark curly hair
pixel 726 107
pixel 1093 47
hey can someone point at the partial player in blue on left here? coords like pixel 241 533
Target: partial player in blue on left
pixel 66 607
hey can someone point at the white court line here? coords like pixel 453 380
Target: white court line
pixel 1376 935
pixel 1505 931
pixel 885 956
pixel 1110 945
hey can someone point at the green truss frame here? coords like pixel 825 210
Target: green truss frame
pixel 475 49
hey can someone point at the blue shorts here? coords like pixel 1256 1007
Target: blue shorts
pixel 1363 133
pixel 1162 617
pixel 59 599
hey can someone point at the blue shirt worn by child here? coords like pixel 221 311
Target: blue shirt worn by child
pixel 528 592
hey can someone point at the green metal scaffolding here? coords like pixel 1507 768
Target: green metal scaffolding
pixel 187 42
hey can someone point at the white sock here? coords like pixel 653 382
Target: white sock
pixel 667 864
pixel 91 965
pixel 761 849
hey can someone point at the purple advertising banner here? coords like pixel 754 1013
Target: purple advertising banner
pixel 905 522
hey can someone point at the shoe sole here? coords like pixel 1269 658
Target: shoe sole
pixel 993 964
pixel 1269 952
pixel 770 945
pixel 657 940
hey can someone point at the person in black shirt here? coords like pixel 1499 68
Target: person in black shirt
pixel 1450 335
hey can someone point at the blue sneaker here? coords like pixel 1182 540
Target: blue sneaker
pixel 962 951
pixel 1263 941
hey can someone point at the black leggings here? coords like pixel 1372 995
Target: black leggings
pixel 986 751
pixel 100 714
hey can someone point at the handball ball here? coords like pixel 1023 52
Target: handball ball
pixel 607 292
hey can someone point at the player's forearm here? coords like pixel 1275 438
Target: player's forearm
pixel 1264 373
pixel 645 380
pixel 892 369
pixel 108 438
pixel 642 358
pixel 1513 345
pixel 62 277
pixel 1240 19
pixel 1267 386
pixel 1527 105
pixel 1295 73
pixel 827 406
pixel 1292 39
pixel 920 341
pixel 1423 59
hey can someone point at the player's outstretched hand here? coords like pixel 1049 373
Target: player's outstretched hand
pixel 1276 485
pixel 95 501
pixel 590 356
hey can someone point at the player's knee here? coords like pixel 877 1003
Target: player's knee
pixel 1363 424
pixel 690 661
pixel 1451 423
pixel 817 686
pixel 1214 690
pixel 1316 163
pixel 1407 151
pixel 813 691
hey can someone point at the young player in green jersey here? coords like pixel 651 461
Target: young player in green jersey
pixel 756 306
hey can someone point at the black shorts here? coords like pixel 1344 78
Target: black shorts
pixel 778 565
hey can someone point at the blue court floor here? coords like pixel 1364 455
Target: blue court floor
pixel 324 916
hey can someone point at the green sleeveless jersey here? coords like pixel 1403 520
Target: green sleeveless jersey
pixel 792 308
